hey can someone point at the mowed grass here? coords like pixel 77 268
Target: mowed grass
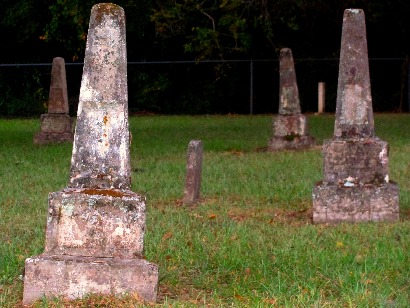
pixel 248 242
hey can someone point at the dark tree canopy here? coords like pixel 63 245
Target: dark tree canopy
pixel 35 31
pixel 189 29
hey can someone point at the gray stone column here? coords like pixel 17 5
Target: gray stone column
pixel 96 225
pixel 356 185
pixel 193 172
pixel 56 126
pixel 354 111
pixel 290 127
pixel 101 146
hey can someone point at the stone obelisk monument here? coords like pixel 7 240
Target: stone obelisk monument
pixel 95 226
pixel 290 127
pixel 356 185
pixel 56 125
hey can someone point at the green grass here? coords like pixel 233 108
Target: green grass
pixel 249 242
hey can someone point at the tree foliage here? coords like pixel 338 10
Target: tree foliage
pixel 35 31
pixel 192 29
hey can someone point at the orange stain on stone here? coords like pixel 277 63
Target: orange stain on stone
pixel 103 192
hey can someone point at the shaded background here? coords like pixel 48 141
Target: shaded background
pixel 190 57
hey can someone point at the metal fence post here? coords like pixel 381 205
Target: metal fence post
pixel 321 97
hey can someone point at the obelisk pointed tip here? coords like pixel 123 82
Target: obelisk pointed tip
pixel 285 52
pixel 354 12
pixel 354 112
pixel 289 94
pixel 58 97
pixel 100 10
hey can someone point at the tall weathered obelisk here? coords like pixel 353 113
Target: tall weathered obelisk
pixel 356 185
pixel 95 226
pixel 56 125
pixel 290 126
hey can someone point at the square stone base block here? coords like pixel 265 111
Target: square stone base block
pixel 290 143
pixel 366 160
pixel 73 277
pixel 55 128
pixel 334 203
pixel 293 124
pixel 95 222
pixel 45 138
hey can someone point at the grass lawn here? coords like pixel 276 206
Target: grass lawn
pixel 249 242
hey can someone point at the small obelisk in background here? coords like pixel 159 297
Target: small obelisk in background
pixel 193 172
pixel 356 185
pixel 95 226
pixel 56 125
pixel 290 127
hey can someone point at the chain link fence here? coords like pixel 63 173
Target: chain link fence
pixel 187 87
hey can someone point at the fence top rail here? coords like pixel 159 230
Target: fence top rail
pixel 192 62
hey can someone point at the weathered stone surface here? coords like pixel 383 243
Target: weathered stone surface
pixel 290 143
pixel 95 222
pixel 58 98
pixel 193 172
pixel 56 125
pixel 364 160
pixel 354 111
pixel 95 226
pixel 290 132
pixel 334 203
pixel 288 89
pixel 101 145
pixel 356 185
pixel 75 276
pixel 290 125
pixel 55 128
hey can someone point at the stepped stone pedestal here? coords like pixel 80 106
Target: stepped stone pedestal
pixel 290 127
pixel 356 185
pixel 335 203
pixel 94 244
pixel 290 133
pixel 54 128
pixel 96 225
pixel 76 276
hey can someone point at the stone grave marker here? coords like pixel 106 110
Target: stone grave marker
pixel 193 172
pixel 95 226
pixel 356 185
pixel 290 127
pixel 56 125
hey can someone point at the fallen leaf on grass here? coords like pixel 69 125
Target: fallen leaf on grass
pixel 247 271
pixel 273 257
pixel 212 216
pixel 238 217
pixel 167 236
pixel 271 301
